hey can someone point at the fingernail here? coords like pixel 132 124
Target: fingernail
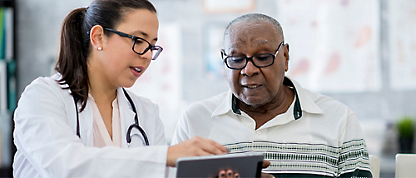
pixel 228 150
pixel 222 174
pixel 230 174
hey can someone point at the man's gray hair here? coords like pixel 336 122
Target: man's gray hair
pixel 256 17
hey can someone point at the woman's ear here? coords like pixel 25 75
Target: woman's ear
pixel 97 37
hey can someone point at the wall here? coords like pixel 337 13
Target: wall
pixel 38 34
pixel 38 27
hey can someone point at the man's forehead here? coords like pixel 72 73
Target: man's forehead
pixel 241 39
pixel 253 42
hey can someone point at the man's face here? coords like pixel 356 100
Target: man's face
pixel 252 85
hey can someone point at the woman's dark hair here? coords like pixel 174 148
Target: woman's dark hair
pixel 75 40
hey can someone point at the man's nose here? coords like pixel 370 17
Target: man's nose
pixel 250 69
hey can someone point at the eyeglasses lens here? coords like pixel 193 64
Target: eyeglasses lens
pixel 239 62
pixel 141 47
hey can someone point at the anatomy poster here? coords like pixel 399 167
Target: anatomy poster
pixel 334 44
pixel 402 44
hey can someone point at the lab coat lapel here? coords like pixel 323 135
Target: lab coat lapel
pixel 85 117
pixel 126 115
pixel 86 122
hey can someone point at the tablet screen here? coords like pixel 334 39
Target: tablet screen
pixel 246 164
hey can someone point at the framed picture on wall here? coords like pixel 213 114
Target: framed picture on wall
pixel 3 85
pixel 212 44
pixel 228 6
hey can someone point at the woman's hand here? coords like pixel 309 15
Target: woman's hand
pixel 196 146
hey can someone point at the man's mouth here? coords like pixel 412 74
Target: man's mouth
pixel 252 86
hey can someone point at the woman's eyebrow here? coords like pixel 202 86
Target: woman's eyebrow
pixel 144 34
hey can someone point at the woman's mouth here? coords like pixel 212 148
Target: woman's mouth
pixel 136 71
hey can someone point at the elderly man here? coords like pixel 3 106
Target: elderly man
pixel 302 133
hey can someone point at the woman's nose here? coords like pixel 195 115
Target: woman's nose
pixel 147 55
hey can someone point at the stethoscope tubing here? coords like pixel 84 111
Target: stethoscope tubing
pixel 135 125
pixel 136 122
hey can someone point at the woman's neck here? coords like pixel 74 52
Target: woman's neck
pixel 103 96
pixel 100 90
pixel 100 87
pixel 103 92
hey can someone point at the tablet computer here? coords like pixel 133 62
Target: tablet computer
pixel 246 164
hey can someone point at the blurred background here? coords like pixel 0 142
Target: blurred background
pixel 360 52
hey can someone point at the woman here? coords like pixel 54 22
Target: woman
pixel 80 122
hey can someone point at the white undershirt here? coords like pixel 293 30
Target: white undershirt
pixel 100 134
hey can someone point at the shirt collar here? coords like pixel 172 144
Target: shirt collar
pixel 234 106
pixel 225 106
pixel 297 109
pixel 307 103
pixel 303 102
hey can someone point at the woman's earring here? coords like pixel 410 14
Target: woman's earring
pixel 99 48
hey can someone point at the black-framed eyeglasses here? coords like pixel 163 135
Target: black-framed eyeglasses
pixel 239 62
pixel 140 45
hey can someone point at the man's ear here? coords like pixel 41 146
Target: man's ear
pixel 97 37
pixel 286 54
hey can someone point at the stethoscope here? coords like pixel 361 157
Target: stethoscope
pixel 135 125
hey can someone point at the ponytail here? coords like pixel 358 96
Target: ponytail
pixel 72 60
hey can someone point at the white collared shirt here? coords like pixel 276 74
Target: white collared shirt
pixel 313 144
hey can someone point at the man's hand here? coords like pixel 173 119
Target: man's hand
pixel 231 174
pixel 196 146
pixel 266 163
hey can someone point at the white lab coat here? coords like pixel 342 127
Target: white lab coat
pixel 47 144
